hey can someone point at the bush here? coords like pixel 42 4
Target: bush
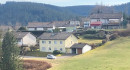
pixel 55 52
pixel 114 36
pixel 91 31
pixel 104 41
pixel 124 33
pixel 94 36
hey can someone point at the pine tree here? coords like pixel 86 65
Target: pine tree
pixel 10 53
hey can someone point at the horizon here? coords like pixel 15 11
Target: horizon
pixel 65 3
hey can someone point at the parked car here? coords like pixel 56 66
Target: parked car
pixel 50 56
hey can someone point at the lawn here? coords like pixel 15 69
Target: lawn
pixel 89 41
pixel 114 55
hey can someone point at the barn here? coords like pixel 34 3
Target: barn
pixel 80 48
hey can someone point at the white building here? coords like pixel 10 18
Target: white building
pixel 109 21
pixel 80 48
pixel 25 39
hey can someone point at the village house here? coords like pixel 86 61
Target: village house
pixel 69 26
pixel 106 20
pixel 49 42
pixel 25 39
pixel 64 42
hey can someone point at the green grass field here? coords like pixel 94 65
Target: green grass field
pixel 114 55
pixel 89 41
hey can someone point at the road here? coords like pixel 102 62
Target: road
pixel 58 57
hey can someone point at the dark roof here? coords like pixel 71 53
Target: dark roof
pixel 78 45
pixel 54 36
pixel 39 24
pixel 106 16
pixel 20 34
pixel 50 24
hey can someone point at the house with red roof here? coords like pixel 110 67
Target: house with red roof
pixel 106 20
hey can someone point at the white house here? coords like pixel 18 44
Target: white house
pixel 108 20
pixel 86 24
pixel 25 38
pixel 80 48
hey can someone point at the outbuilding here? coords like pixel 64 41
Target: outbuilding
pixel 80 48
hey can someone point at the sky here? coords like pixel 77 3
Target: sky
pixel 73 2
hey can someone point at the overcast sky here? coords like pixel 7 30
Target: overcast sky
pixel 73 2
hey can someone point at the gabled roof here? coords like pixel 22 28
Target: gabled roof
pixel 106 16
pixel 54 36
pixel 50 24
pixel 78 45
pixel 20 35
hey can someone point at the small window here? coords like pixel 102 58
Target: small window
pixel 49 42
pixel 55 42
pixel 60 42
pixel 43 42
pixel 61 49
pixel 49 48
pixel 43 48
pixel 19 40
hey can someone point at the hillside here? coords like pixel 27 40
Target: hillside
pixel 85 10
pixel 114 55
pixel 24 12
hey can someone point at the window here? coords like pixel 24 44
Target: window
pixel 55 42
pixel 49 42
pixel 43 48
pixel 60 49
pixel 19 40
pixel 49 48
pixel 60 42
pixel 43 42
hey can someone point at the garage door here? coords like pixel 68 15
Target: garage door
pixel 79 51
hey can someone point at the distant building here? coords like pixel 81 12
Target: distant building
pixel 25 39
pixel 49 42
pixel 70 26
pixel 108 21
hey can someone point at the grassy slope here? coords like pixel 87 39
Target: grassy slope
pixel 89 41
pixel 114 55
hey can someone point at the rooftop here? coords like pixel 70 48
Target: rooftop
pixel 78 45
pixel 106 16
pixel 20 34
pixel 54 36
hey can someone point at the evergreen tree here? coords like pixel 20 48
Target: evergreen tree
pixel 10 53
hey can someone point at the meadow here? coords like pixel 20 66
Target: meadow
pixel 114 55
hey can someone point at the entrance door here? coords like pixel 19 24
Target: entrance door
pixel 73 50
pixel 79 51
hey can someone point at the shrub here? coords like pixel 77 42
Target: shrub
pixel 56 52
pixel 91 31
pixel 114 36
pixel 124 33
pixel 104 41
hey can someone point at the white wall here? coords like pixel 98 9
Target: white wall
pixel 86 48
pixel 29 40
